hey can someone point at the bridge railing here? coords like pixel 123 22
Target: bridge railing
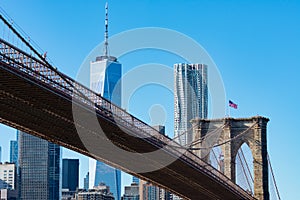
pixel 43 73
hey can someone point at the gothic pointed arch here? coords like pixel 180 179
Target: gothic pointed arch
pixel 233 134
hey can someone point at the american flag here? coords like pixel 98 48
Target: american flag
pixel 233 105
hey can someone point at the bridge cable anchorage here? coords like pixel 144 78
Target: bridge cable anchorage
pixel 225 142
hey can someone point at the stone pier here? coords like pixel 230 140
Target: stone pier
pixel 231 134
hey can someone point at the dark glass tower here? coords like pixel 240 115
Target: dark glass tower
pixel 39 168
pixel 14 150
pixel 70 174
pixel 86 181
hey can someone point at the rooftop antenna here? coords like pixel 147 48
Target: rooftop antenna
pixel 106 31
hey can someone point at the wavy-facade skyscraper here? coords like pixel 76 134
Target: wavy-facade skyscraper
pixel 190 98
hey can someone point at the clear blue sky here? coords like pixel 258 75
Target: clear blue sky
pixel 255 45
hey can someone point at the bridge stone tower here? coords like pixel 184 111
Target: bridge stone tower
pixel 231 134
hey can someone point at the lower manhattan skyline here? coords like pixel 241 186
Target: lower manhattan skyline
pixel 254 46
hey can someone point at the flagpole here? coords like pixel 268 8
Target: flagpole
pixel 227 111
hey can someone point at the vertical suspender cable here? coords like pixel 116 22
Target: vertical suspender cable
pixel 244 171
pixel 219 164
pixel 243 155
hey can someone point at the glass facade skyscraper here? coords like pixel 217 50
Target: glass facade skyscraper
pixel 39 168
pixel 190 98
pixel 13 156
pixel 105 79
pixel 135 180
pixel 13 152
pixel 110 177
pixel 105 76
pixel 70 174
pixel 86 181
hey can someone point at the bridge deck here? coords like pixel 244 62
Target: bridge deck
pixel 41 110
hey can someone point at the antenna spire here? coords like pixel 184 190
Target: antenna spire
pixel 106 31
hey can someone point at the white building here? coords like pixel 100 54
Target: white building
pixel 7 194
pixel 8 176
pixel 100 192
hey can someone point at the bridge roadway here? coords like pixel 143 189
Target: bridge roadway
pixel 37 99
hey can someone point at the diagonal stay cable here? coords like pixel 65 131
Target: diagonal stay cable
pixel 187 146
pixel 206 136
pixel 273 177
pixel 184 132
pixel 227 141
